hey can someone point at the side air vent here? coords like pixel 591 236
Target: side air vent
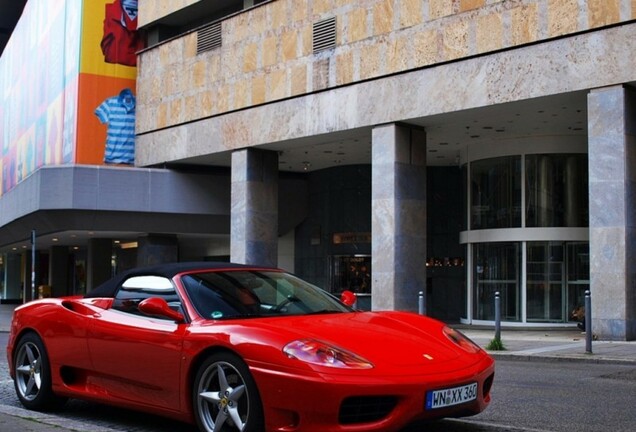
pixel 324 34
pixel 209 38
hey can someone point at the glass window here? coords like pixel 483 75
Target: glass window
pixel 545 277
pixel 497 269
pixel 557 190
pixel 496 193
pixel 138 288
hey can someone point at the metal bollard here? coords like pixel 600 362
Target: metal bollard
pixel 421 306
pixel 588 322
pixel 497 316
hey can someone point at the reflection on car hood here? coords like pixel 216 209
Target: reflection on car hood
pixel 397 339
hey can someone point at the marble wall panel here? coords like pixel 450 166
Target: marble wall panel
pixel 592 59
pixel 398 213
pixel 254 207
pixel 612 212
pixel 407 33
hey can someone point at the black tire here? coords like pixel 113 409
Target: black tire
pixel 225 397
pixel 32 373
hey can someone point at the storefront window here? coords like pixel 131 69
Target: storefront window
pixel 496 193
pixel 351 273
pixel 497 268
pixel 556 190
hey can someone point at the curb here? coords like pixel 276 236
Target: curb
pixel 581 358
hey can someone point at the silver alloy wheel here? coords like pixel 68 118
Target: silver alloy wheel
pixel 223 401
pixel 28 370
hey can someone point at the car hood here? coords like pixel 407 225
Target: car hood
pixel 386 339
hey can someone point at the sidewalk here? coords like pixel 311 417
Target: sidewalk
pixel 566 344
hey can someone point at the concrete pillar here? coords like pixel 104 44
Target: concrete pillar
pixel 28 287
pixel 398 225
pixel 12 277
pixel 612 180
pixel 157 249
pixel 99 267
pixel 59 278
pixel 254 213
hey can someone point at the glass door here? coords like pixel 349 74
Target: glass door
pixel 578 280
pixel 545 282
pixel 496 269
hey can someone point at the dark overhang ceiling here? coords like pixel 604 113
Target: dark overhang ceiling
pixel 10 12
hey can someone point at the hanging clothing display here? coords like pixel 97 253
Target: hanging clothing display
pixel 119 113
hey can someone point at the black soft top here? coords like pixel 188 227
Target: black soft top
pixel 110 287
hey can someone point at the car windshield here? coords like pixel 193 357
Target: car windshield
pixel 246 294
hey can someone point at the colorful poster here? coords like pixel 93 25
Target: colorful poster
pixel 39 63
pixel 67 86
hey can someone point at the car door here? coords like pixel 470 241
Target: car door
pixel 137 358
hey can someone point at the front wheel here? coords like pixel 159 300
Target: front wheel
pixel 33 375
pixel 225 397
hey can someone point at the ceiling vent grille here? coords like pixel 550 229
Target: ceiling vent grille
pixel 324 34
pixel 209 38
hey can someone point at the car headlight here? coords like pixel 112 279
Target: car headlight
pixel 323 354
pixel 461 340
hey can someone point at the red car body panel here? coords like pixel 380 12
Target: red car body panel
pixel 106 355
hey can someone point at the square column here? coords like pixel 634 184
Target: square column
pixel 254 212
pixel 398 221
pixel 59 277
pixel 99 265
pixel 157 249
pixel 612 179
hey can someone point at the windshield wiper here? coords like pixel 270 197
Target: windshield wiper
pixel 324 311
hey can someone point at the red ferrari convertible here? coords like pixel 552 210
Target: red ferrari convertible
pixel 243 348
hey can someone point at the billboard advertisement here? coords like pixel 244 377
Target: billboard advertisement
pixel 106 116
pixel 67 87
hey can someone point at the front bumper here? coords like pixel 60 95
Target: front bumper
pixel 363 402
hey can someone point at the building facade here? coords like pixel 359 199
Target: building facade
pixel 437 149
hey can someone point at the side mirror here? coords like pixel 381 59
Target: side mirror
pixel 348 298
pixel 158 306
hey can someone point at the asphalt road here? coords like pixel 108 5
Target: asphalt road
pixel 527 397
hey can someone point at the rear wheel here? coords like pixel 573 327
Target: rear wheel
pixel 33 375
pixel 225 397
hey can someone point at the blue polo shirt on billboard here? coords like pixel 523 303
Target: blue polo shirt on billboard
pixel 119 113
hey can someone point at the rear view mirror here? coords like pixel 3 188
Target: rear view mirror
pixel 348 298
pixel 159 307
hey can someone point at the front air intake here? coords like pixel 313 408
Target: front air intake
pixel 365 409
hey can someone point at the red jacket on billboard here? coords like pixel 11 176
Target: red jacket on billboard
pixel 121 40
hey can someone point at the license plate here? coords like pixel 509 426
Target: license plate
pixel 451 396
